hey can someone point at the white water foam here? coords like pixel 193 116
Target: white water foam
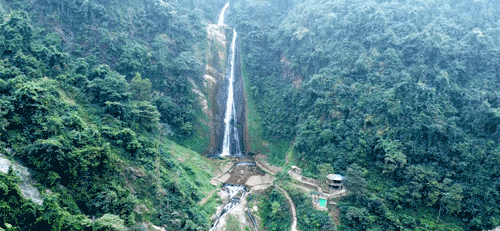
pixel 221 16
pixel 230 120
pixel 234 200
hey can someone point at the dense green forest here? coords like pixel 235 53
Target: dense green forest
pixel 401 97
pixel 92 93
pixel 274 215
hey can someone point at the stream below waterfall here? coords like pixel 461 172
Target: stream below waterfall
pixel 233 195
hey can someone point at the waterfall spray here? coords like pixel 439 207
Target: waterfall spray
pixel 230 120
pixel 221 16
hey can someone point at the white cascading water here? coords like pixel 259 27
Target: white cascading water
pixel 231 131
pixel 230 120
pixel 232 191
pixel 221 16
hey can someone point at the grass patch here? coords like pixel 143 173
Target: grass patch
pixel 233 223
pixel 193 164
pixel 212 203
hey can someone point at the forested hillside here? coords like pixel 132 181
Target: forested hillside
pixel 163 41
pixel 91 95
pixel 401 97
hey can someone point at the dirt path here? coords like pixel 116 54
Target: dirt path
pixel 265 166
pixel 292 208
pixel 204 200
pixel 307 189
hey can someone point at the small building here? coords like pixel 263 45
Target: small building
pixel 334 182
pixel 320 202
pixel 296 170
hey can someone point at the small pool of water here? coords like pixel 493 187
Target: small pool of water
pixel 322 203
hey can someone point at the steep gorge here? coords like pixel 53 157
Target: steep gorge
pixel 228 123
pixel 400 97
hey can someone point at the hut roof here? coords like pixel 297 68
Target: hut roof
pixel 335 177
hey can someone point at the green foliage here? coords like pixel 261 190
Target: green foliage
pixel 394 157
pixel 274 211
pixel 399 92
pixel 401 97
pixel 109 222
pixel 115 199
pixel 356 180
pixel 17 33
pixel 92 140
pixel 158 40
pixel 27 216
pixel 140 88
pixel 75 222
pixel 145 115
pixel 307 217
pixel 232 223
pixel 324 170
pixel 173 115
pixel 14 209
pixel 126 138
pixel 112 87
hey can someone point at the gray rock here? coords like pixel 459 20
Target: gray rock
pixel 26 185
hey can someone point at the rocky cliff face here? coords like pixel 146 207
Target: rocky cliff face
pixel 216 83
pixel 26 187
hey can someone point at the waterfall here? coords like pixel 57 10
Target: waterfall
pixel 233 190
pixel 230 121
pixel 229 129
pixel 230 89
pixel 221 16
pixel 235 193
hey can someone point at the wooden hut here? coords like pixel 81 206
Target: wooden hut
pixel 334 182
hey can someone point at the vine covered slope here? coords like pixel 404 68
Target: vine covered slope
pixel 401 97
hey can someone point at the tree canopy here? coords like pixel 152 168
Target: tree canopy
pixel 401 97
pixel 80 86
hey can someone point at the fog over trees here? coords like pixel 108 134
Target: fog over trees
pixel 400 97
